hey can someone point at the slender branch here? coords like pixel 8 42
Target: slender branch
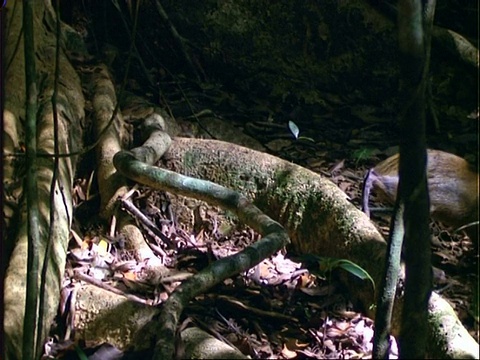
pixel 31 301
pixel 81 276
pixel 388 287
pixel 130 207
pixel 53 212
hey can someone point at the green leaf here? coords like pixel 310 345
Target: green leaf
pixel 326 264
pixel 355 270
pixel 329 264
pixel 294 129
pixel 81 355
pixel 363 154
pixel 305 139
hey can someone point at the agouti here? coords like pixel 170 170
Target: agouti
pixel 452 183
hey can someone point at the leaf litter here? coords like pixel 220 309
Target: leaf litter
pixel 278 309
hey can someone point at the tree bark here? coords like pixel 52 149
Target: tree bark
pixel 70 110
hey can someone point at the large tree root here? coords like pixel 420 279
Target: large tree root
pixel 316 214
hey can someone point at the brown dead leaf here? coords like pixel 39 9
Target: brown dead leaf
pixel 287 353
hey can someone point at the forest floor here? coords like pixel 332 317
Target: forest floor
pixel 280 309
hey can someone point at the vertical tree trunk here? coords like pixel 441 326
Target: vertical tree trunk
pixel 71 114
